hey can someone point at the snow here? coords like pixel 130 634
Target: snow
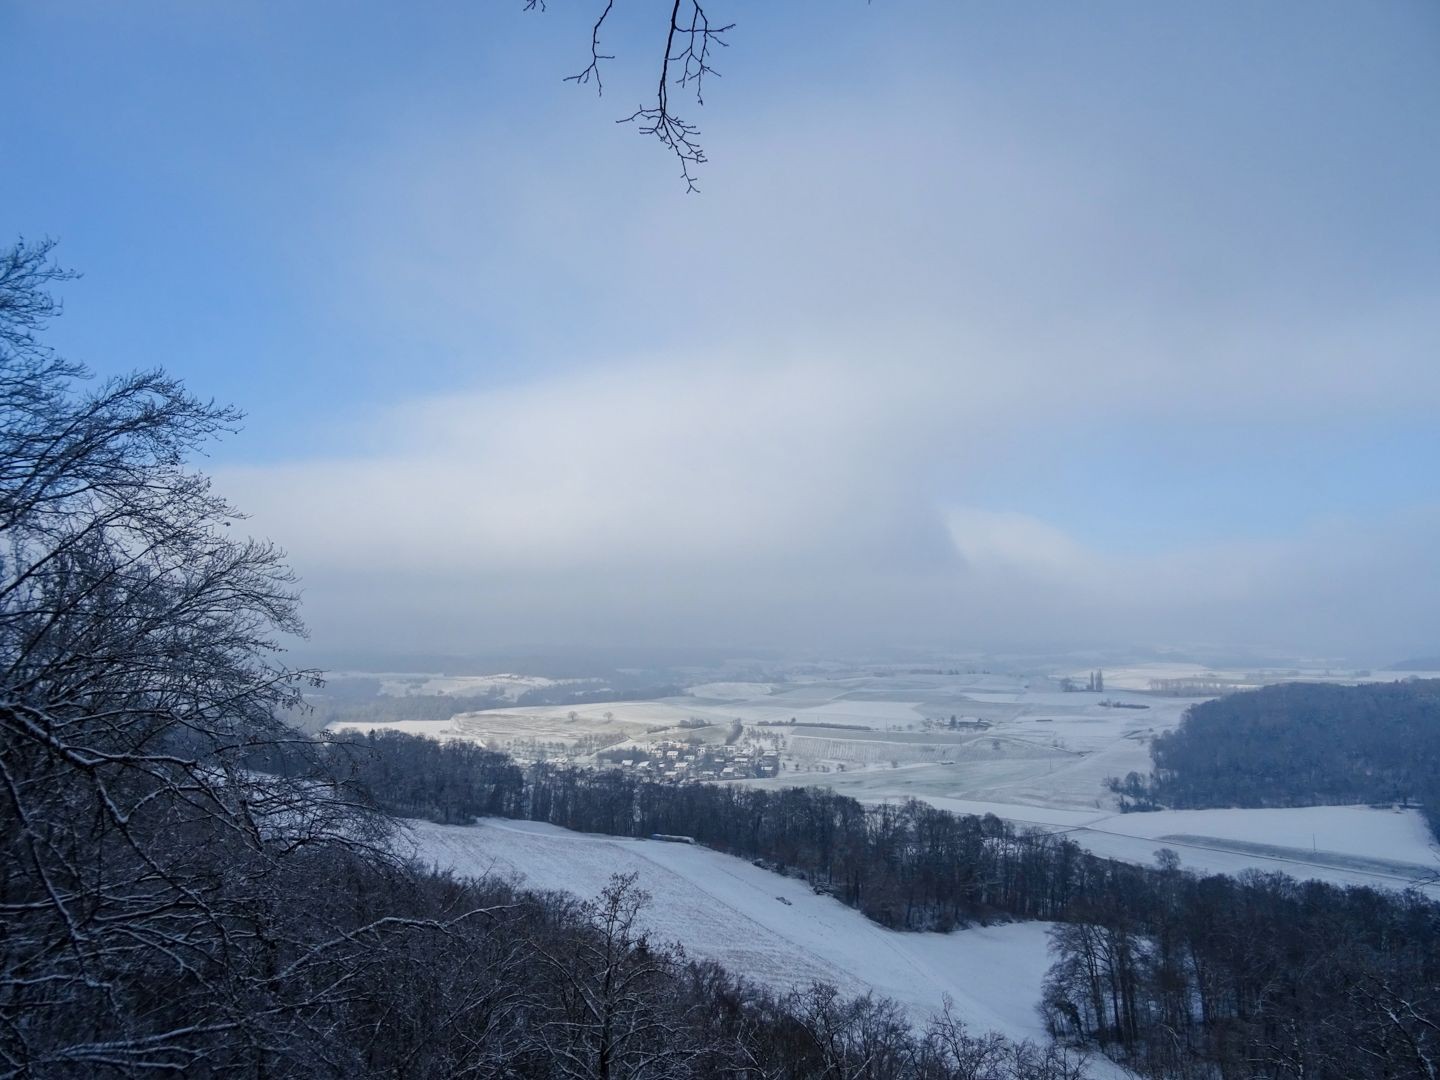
pixel 441 730
pixel 730 691
pixel 1345 845
pixel 503 684
pixel 1020 815
pixel 521 726
pixel 723 908
pixel 1399 835
pixel 1138 676
pixel 1042 763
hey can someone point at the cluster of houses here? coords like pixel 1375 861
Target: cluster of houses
pixel 680 761
pixel 955 723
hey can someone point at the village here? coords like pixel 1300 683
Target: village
pixel 678 762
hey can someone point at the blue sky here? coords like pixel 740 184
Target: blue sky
pixel 978 302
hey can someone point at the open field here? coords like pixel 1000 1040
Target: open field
pixel 553 726
pixel 770 929
pixel 503 685
pixel 1021 749
pixel 1346 845
pixel 1141 676
pixel 885 709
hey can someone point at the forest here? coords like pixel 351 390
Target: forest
pixel 1301 744
pixel 1179 976
pixel 191 887
pixel 187 886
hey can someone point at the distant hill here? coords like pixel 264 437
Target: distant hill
pixel 1421 663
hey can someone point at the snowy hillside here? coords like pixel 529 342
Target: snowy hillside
pixel 770 929
pixel 1344 845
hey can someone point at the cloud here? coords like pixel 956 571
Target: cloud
pixel 719 500
pixel 645 463
pixel 773 503
pixel 1362 589
pixel 925 223
pixel 755 417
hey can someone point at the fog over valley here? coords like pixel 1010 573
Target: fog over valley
pixel 606 540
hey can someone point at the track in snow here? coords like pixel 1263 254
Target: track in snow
pixel 723 908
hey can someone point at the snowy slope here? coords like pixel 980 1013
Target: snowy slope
pixel 725 909
pixel 1345 845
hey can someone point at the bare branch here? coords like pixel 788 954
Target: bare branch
pixel 690 42
pixel 593 68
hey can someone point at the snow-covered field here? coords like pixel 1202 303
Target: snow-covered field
pixel 725 691
pixel 770 929
pixel 1347 845
pixel 1042 760
pixel 552 725
pixel 503 685
pixel 1139 676
pixel 881 705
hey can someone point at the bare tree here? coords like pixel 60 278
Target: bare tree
pixel 610 1019
pixel 691 41
pixel 139 674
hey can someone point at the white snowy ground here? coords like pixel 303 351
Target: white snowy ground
pixel 725 909
pixel 1139 676
pixel 405 683
pixel 504 684
pixel 1043 761
pixel 1345 845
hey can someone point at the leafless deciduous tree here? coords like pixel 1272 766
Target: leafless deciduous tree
pixel 608 1018
pixel 691 42
pixel 138 672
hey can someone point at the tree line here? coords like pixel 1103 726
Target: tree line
pixel 187 889
pixel 190 887
pixel 1301 744
pixel 1177 975
pixel 318 711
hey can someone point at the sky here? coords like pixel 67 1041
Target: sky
pixel 992 327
